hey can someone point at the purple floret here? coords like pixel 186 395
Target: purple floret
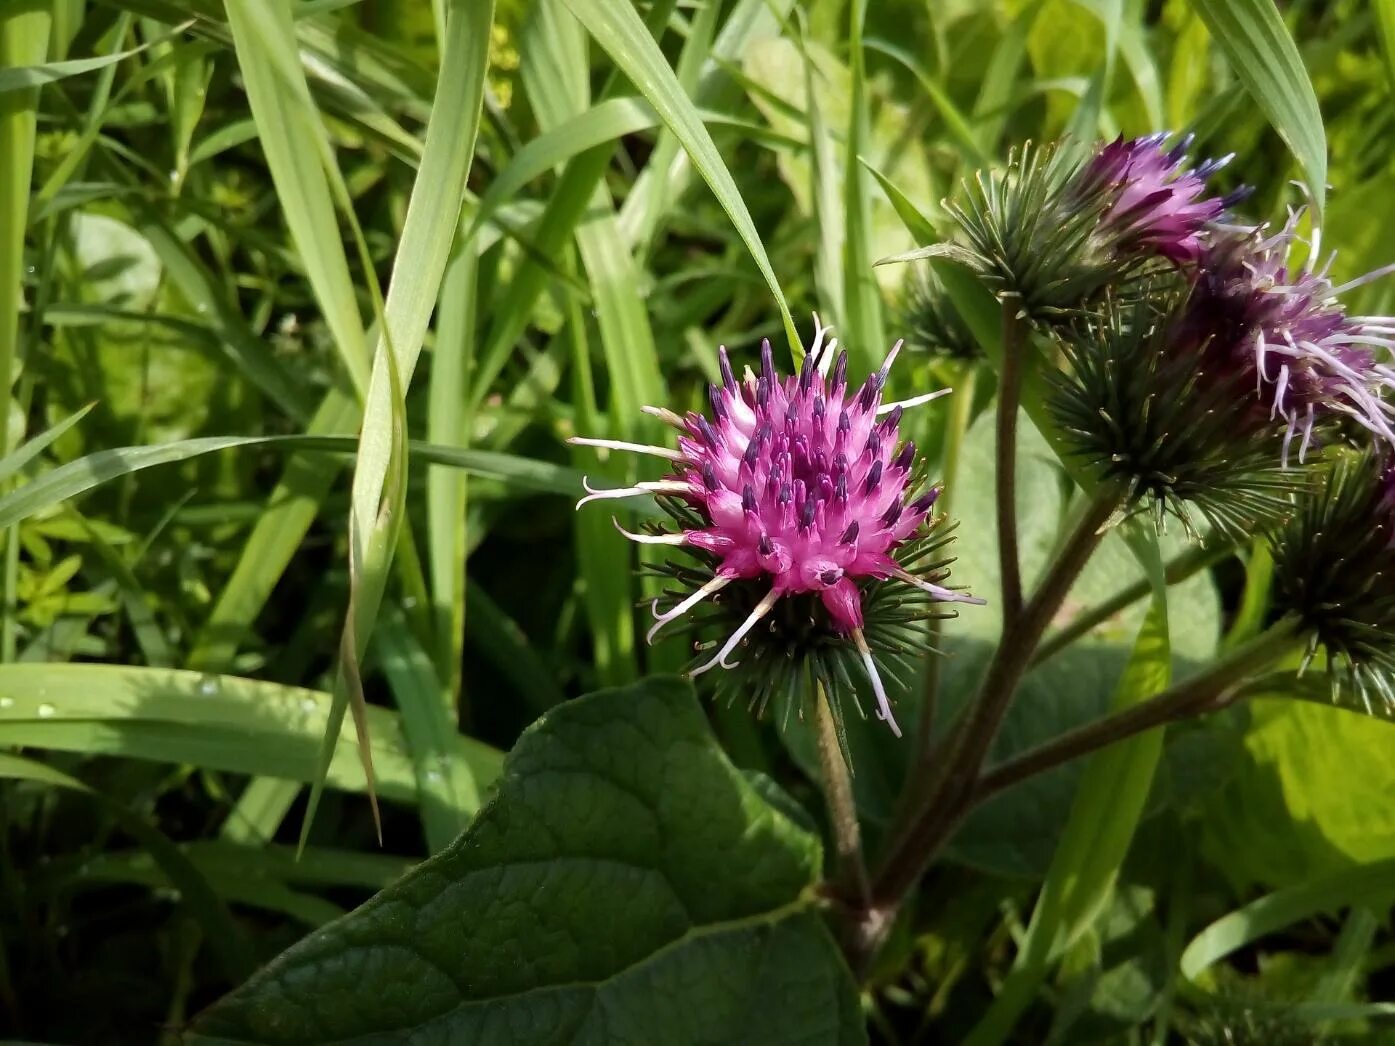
pixel 1158 205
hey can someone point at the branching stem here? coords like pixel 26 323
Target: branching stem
pixel 1211 690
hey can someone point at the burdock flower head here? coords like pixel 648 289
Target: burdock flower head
pixel 801 507
pixel 1335 572
pixel 1057 233
pixel 1286 332
pixel 1146 400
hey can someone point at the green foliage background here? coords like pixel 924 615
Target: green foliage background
pixel 207 229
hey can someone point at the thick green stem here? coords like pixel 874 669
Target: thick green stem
pixel 912 851
pixel 1212 689
pixel 850 877
pixel 1009 395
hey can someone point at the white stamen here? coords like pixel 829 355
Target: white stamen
pixel 1366 338
pixel 819 331
pixel 716 584
pixel 762 608
pixel 891 356
pixel 664 486
pixel 1314 252
pixel 1332 361
pixel 1375 274
pixel 651 539
pixel 914 401
pixel 830 353
pixel 945 595
pixel 615 444
pixel 667 416
pixel 1307 436
pixel 883 704
pixel 1278 406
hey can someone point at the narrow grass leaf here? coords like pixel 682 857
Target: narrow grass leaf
pixel 85 473
pixel 221 722
pixel 1371 885
pixel 862 296
pixel 447 793
pixel 379 485
pixel 32 76
pixel 606 121
pixel 298 153
pixel 27 452
pixel 1258 46
pixel 622 34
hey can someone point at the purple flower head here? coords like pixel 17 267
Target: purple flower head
pixel 1158 206
pixel 1287 332
pixel 798 481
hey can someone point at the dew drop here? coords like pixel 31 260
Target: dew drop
pixel 7 702
pixel 47 711
pixel 208 686
pixel 409 602
pixel 308 705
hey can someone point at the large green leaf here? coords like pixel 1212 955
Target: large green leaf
pixel 627 884
pixel 1310 798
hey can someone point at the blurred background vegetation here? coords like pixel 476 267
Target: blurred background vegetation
pixel 169 636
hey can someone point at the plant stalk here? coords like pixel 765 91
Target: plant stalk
pixel 912 851
pixel 850 881
pixel 1009 397
pixel 1213 689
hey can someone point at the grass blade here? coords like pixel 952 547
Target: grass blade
pixel 287 121
pixel 1372 885
pixel 84 474
pixel 27 452
pixel 620 32
pixel 379 485
pixel 1258 46
pixel 221 722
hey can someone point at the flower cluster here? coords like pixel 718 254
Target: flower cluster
pixel 1215 358
pixel 1203 364
pixel 793 487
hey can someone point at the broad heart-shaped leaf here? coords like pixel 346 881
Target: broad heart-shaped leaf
pixel 626 884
